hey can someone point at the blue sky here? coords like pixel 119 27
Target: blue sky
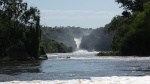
pixel 82 13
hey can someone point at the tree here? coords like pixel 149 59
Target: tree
pixel 19 26
pixel 132 28
pixel 132 5
pixel 137 42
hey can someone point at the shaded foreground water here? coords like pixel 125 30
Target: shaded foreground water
pixel 78 65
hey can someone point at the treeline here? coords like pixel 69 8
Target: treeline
pixel 98 40
pixel 92 39
pixel 20 33
pixel 64 35
pixel 132 28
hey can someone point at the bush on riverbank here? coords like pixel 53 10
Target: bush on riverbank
pixel 108 53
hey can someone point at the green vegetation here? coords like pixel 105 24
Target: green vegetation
pixel 108 53
pixel 21 36
pixel 20 33
pixel 52 46
pixel 132 29
pixel 92 39
pixel 64 35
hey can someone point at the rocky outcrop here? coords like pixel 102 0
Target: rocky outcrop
pixel 43 55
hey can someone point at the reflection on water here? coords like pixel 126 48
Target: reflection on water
pixel 18 67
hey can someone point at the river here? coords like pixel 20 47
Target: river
pixel 77 65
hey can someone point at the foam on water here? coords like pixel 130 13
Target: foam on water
pixel 94 80
pixel 81 51
pixel 84 54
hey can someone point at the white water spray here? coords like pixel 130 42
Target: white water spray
pixel 78 42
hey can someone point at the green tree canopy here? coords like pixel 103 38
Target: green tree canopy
pixel 132 32
pixel 132 5
pixel 19 25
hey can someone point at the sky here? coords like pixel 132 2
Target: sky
pixel 79 13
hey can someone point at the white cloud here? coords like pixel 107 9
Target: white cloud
pixel 64 11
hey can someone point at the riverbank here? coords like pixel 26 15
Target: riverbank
pixel 117 53
pixel 94 80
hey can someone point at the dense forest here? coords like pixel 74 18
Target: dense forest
pixel 20 33
pixel 132 28
pixel 98 40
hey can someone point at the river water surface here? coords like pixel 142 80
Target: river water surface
pixel 77 65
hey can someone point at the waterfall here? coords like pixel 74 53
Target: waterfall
pixel 78 42
pixel 78 50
